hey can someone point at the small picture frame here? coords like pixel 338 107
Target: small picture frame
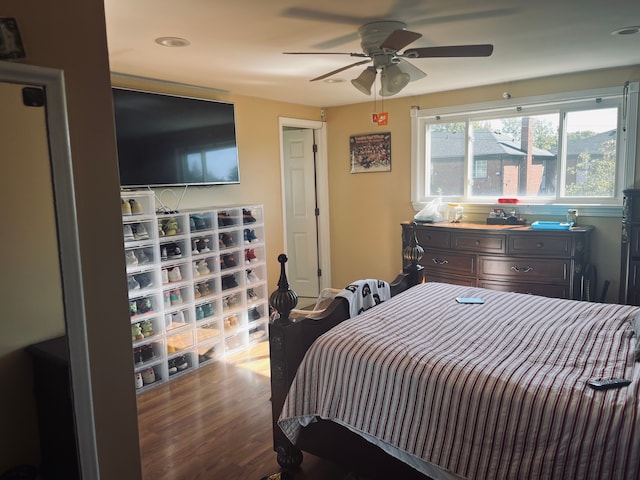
pixel 370 152
pixel 11 47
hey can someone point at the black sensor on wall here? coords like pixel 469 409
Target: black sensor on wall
pixel 166 140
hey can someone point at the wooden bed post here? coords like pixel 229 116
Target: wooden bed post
pixel 282 345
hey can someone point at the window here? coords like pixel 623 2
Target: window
pixel 577 148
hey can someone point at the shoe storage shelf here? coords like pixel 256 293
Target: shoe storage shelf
pixel 197 285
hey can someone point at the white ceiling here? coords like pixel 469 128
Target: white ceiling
pixel 236 45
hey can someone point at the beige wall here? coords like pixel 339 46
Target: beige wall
pixel 366 209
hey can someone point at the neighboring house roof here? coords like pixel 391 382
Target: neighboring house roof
pixel 485 144
pixel 592 145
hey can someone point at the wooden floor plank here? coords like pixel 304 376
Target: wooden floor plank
pixel 215 423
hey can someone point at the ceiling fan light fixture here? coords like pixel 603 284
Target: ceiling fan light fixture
pixel 365 80
pixel 172 42
pixel 393 80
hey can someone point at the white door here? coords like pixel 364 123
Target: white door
pixel 300 212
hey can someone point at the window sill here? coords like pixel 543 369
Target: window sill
pixel 557 210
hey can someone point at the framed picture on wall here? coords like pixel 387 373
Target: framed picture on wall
pixel 370 152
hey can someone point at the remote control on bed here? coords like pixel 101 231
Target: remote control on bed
pixel 608 383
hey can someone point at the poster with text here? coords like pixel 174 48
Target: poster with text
pixel 370 152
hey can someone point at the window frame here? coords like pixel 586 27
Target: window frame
pixel 627 132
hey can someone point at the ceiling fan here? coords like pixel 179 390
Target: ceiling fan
pixel 381 42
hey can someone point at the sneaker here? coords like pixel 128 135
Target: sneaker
pixel 126 208
pixel 175 296
pixel 254 314
pixel 192 224
pixel 163 252
pixel 204 289
pixel 247 216
pixel 229 261
pixel 194 246
pixel 165 276
pixel 199 313
pixel 145 280
pixel 147 352
pixel 181 363
pixel 148 376
pixel 135 207
pixel 178 317
pixel 132 284
pixel 205 248
pixel 251 295
pixel 131 258
pixel 170 226
pixel 172 366
pixel 251 255
pixel 252 277
pixel 198 221
pixel 175 275
pixel 174 251
pixel 144 305
pixel 137 377
pixel 128 232
pixel 207 309
pixel 252 236
pixel 142 256
pixel 147 328
pixel 224 220
pixel 133 308
pixel 203 268
pixel 196 291
pixel 139 231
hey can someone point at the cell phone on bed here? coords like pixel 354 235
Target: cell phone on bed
pixel 469 300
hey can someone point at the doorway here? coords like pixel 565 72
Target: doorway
pixel 305 198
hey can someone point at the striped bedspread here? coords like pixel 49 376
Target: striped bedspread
pixel 491 391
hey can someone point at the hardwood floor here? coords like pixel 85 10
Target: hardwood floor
pixel 215 423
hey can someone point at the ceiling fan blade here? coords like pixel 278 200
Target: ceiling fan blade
pixel 399 39
pixel 326 53
pixel 450 51
pixel 342 69
pixel 414 72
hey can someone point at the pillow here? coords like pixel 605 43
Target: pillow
pixel 635 324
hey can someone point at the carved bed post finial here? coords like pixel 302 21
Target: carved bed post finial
pixel 283 299
pixel 412 253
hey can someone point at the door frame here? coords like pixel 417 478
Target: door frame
pixel 322 191
pixel 69 251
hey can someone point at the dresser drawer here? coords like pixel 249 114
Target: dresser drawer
pixel 441 262
pixel 542 289
pixel 544 245
pixel 479 243
pixel 433 238
pixel 525 269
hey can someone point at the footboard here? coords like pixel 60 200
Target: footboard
pixel 289 340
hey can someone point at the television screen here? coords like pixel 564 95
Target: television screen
pixel 166 140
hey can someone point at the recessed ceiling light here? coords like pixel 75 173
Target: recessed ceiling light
pixel 334 80
pixel 172 41
pixel 627 30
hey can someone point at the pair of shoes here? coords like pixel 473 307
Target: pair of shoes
pixel 230 302
pixel 247 216
pixel 145 280
pixel 131 207
pixel 224 219
pixel 250 236
pixel 207 309
pixel 142 256
pixel 251 295
pixel 253 313
pixel 170 250
pixel 227 261
pixel 229 281
pixel 250 256
pixel 197 222
pixel 230 322
pixel 169 226
pixel 227 240
pixel 204 288
pixel 139 231
pixel 207 355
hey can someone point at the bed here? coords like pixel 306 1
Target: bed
pixel 421 386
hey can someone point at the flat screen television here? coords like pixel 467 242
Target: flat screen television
pixel 166 140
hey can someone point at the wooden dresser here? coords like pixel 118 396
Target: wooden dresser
pixel 630 264
pixel 511 258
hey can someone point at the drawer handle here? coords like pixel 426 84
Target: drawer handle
pixel 540 244
pixel 440 261
pixel 477 242
pixel 516 268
